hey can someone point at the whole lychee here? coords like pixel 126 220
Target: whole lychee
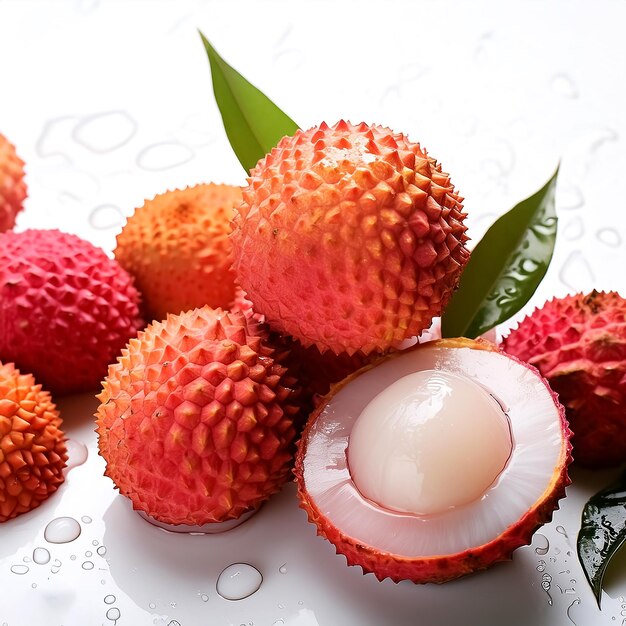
pixel 579 344
pixel 66 309
pixel 32 444
pixel 176 247
pixel 195 423
pixel 350 238
pixel 12 185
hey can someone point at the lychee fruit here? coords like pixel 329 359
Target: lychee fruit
pixel 12 185
pixel 176 247
pixel 435 461
pixel 579 344
pixel 32 444
pixel 350 238
pixel 66 309
pixel 195 423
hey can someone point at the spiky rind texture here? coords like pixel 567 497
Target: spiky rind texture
pixel 349 237
pixel 195 423
pixel 579 344
pixel 12 185
pixel 32 444
pixel 66 308
pixel 440 568
pixel 176 247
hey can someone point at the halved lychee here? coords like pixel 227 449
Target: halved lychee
pixel 434 462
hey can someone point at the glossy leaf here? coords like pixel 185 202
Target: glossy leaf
pixel 602 532
pixel 253 123
pixel 506 266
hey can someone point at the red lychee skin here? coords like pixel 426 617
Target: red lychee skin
pixel 177 249
pixel 32 445
pixel 195 423
pixel 578 343
pixel 12 185
pixel 66 309
pixel 440 568
pixel 350 238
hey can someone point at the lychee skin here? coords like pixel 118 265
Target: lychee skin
pixel 12 185
pixel 32 445
pixel 176 247
pixel 349 237
pixel 578 343
pixel 195 423
pixel 66 308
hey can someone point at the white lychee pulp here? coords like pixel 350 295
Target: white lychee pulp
pixel 429 442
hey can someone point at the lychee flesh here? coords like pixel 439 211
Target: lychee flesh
pixel 453 540
pixel 176 247
pixel 578 343
pixel 32 444
pixel 66 308
pixel 12 185
pixel 195 423
pixel 350 238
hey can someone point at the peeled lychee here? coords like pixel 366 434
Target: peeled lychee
pixel 66 309
pixel 579 344
pixel 434 462
pixel 32 445
pixel 195 423
pixel 176 247
pixel 12 186
pixel 350 238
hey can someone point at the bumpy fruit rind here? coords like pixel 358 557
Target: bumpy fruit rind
pixel 32 445
pixel 195 423
pixel 12 185
pixel 176 247
pixel 578 343
pixel 349 237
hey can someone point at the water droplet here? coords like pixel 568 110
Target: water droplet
pixel 77 453
pixel 576 272
pixel 101 550
pixel 163 156
pixel 609 237
pixel 562 531
pixel 56 566
pixel 113 614
pixel 152 605
pixel 87 565
pixel 88 553
pixel 281 606
pixel 41 556
pixel 564 86
pixel 73 557
pixel 26 559
pixel 95 542
pixel 300 602
pixel 20 570
pixel 283 568
pixel 569 553
pixel 238 581
pixel 110 599
pixel 569 198
pixel 542 549
pixel 103 582
pixel 576 601
pixel 62 530
pixel 104 132
pixel 173 605
pixel 106 216
pixel 34 585
pixel 541 565
pixel 86 519
pixel 203 597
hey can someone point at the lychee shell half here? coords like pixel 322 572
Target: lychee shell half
pixel 579 344
pixel 12 185
pixel 32 444
pixel 350 238
pixel 176 247
pixel 195 424
pixel 443 546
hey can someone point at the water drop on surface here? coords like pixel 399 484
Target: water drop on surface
pixel 165 155
pixel 87 565
pixel 542 549
pixel 73 557
pixel 86 519
pixel 609 237
pixel 204 597
pixel 283 568
pixel 94 542
pixel 113 614
pixel 110 599
pixel 26 559
pixel 101 550
pixel 41 556
pixel 62 530
pixel 34 585
pixel 76 452
pixel 20 570
pixel 88 553
pixel 238 581
pixel 152 605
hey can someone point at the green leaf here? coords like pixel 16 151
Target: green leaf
pixel 253 123
pixel 506 266
pixel 602 532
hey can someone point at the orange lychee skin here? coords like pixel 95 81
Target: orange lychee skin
pixel 350 238
pixel 578 343
pixel 12 185
pixel 32 445
pixel 195 423
pixel 176 247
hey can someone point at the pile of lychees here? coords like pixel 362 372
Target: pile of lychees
pixel 346 241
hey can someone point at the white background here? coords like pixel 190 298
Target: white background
pixel 110 103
